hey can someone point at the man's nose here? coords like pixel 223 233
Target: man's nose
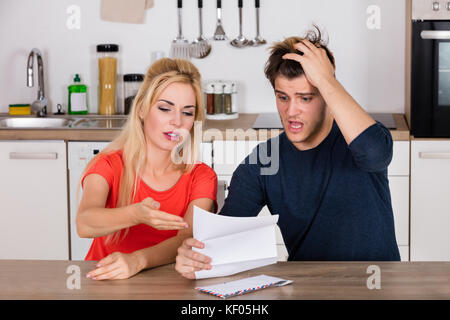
pixel 293 109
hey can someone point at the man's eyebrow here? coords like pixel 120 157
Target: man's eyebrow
pixel 173 104
pixel 297 93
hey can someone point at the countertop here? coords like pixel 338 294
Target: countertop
pixel 37 279
pixel 236 129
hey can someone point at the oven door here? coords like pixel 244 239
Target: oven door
pixel 430 79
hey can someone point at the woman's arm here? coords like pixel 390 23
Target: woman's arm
pixel 94 220
pixel 123 266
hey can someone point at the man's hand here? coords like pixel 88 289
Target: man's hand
pixel 318 68
pixel 116 266
pixel 189 261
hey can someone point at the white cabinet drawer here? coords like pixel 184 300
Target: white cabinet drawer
pixel 399 165
pixel 399 187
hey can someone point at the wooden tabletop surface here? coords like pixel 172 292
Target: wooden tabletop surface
pixel 36 279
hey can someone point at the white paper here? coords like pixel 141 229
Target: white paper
pixel 246 285
pixel 234 244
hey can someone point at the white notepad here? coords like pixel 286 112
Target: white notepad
pixel 234 244
pixel 243 286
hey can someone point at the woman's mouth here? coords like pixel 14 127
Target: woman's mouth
pixel 295 126
pixel 172 136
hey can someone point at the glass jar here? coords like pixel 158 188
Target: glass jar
pixel 234 108
pixel 107 78
pixel 131 84
pixel 209 91
pixel 218 97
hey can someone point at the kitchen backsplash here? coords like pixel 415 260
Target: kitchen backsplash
pixel 367 38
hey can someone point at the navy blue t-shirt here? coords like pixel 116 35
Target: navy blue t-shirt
pixel 333 201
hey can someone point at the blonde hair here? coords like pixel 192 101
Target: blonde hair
pixel 132 139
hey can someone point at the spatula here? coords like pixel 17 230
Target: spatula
pixel 200 47
pixel 180 45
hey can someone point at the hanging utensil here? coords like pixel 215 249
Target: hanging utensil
pixel 200 47
pixel 180 45
pixel 219 34
pixel 258 40
pixel 240 41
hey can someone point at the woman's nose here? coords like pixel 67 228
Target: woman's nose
pixel 176 119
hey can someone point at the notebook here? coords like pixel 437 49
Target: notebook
pixel 243 286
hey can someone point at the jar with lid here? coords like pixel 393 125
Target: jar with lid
pixel 218 97
pixel 107 78
pixel 227 98
pixel 131 84
pixel 234 108
pixel 209 91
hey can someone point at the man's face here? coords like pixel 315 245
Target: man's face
pixel 302 111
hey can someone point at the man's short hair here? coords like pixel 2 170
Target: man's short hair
pixel 290 69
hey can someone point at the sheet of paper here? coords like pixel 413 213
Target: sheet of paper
pixel 242 286
pixel 234 244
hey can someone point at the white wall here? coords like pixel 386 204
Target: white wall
pixel 370 63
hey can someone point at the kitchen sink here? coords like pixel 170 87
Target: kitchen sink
pixel 99 123
pixel 33 123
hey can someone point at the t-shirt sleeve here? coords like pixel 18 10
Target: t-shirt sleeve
pixel 204 184
pixel 103 167
pixel 372 149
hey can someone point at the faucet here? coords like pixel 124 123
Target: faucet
pixel 40 104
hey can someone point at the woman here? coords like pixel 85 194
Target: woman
pixel 137 200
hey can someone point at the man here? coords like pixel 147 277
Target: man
pixel 331 190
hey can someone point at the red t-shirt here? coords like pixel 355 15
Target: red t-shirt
pixel 201 182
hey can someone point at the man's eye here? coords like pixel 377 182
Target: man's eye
pixel 283 98
pixel 306 99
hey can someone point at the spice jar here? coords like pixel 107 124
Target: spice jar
pixel 227 98
pixel 131 84
pixel 107 75
pixel 218 97
pixel 234 108
pixel 209 91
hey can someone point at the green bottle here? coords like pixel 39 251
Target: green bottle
pixel 77 97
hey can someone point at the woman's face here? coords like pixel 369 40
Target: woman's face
pixel 172 116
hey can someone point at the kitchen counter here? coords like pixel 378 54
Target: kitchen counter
pixel 236 129
pixel 35 279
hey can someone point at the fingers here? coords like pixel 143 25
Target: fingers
pixel 189 261
pixel 105 269
pixel 165 221
pixel 151 203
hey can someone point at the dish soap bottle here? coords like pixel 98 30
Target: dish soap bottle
pixel 77 97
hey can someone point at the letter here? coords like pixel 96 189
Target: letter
pixel 184 310
pixel 374 20
pixel 211 311
pixel 74 280
pixel 374 281
pixel 74 18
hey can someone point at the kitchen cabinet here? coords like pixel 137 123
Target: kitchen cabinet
pixel 33 207
pixel 430 200
pixel 228 154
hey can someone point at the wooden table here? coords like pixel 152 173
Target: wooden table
pixel 35 279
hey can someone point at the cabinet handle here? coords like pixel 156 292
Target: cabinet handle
pixel 34 155
pixel 434 155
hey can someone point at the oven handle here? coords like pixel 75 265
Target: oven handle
pixel 435 34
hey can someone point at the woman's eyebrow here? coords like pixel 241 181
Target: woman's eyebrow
pixel 173 104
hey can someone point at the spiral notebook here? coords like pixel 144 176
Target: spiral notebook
pixel 243 286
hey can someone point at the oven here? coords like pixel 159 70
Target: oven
pixel 430 69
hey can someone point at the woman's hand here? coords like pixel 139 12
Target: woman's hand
pixel 189 261
pixel 116 266
pixel 147 212
pixel 315 62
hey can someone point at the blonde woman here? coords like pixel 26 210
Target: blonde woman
pixel 137 201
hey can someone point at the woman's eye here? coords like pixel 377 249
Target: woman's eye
pixel 189 114
pixel 164 109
